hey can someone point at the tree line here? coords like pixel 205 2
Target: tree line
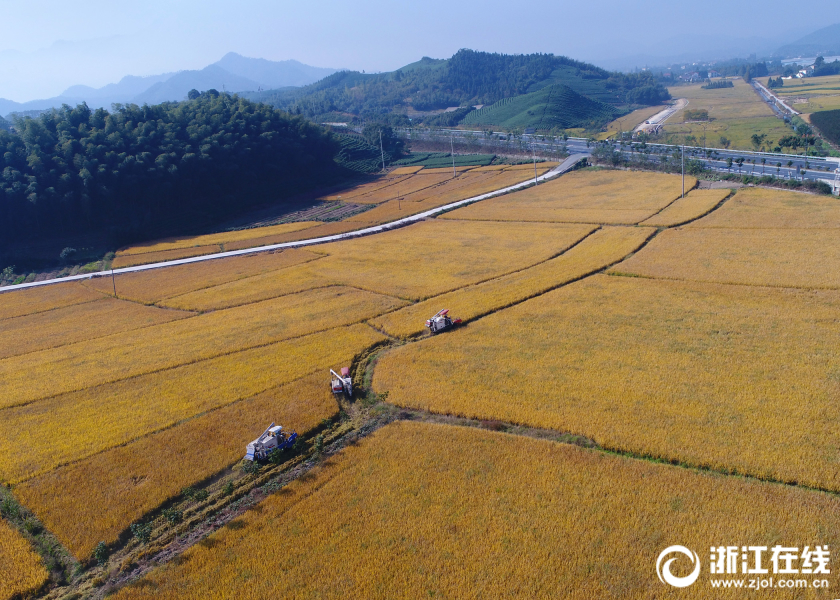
pixel 128 171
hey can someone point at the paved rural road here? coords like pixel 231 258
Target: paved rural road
pixel 656 121
pixel 561 168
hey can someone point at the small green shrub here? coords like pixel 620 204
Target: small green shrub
pixel 142 532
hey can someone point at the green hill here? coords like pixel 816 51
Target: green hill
pixel 553 106
pixel 466 79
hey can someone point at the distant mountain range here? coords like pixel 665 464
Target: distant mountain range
pixel 825 41
pixel 234 73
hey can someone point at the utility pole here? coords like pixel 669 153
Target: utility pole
pixel 534 156
pixel 114 283
pixel 382 149
pixel 452 148
pixel 683 171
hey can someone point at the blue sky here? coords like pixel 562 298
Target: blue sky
pixel 46 46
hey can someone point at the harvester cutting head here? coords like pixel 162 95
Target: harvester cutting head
pixel 273 439
pixel 441 322
pixel 342 384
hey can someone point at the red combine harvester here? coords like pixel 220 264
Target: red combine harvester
pixel 441 322
pixel 342 384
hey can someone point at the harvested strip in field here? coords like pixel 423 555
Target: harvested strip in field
pixel 152 286
pixel 106 416
pixel 79 322
pixel 96 499
pixel 347 194
pixel 253 289
pixel 805 258
pixel 444 170
pixel 40 299
pixel 78 366
pixel 597 251
pixel 490 168
pixel 456 512
pixel 405 170
pixel 733 378
pixel 467 186
pixel 621 197
pixel 176 243
pixel 541 167
pixel 147 258
pixel 757 208
pixel 418 261
pixel 321 230
pixel 21 570
pixel 695 204
pixel 410 185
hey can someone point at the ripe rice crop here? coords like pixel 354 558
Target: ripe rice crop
pixel 542 167
pixel 775 257
pixel 404 187
pixel 490 168
pixel 97 498
pixel 757 208
pixel 733 378
pixel 365 188
pixel 447 170
pixel 414 262
pixel 597 251
pixel 253 289
pixel 695 204
pixel 620 197
pixel 176 243
pixel 78 366
pixel 465 186
pixel 154 285
pixel 323 230
pixel 77 323
pixel 102 417
pixel 419 510
pixel 40 299
pixel 147 258
pixel 21 570
pixel 405 170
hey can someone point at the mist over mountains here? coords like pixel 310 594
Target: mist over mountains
pixel 234 73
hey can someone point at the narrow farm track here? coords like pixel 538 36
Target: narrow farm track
pixel 566 165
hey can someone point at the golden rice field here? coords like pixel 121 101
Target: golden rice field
pixel 21 570
pixel 695 204
pixel 405 170
pixel 733 378
pixel 147 258
pixel 583 197
pixel 47 373
pixel 805 258
pixel 400 187
pixel 98 418
pixel 420 510
pixel 415 262
pixel 597 251
pixel 149 287
pixel 96 498
pixel 756 208
pixel 77 323
pixel 215 239
pixel 41 299
pixel 319 231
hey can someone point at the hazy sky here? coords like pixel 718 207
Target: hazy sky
pixel 46 45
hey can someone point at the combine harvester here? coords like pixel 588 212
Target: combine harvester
pixel 441 322
pixel 342 384
pixel 273 439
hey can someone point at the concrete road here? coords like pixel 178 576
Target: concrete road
pixel 567 164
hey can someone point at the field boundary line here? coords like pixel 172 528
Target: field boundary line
pixel 558 170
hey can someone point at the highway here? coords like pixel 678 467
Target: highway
pixel 567 164
pixel 801 167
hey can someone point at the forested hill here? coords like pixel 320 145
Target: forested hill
pixel 468 78
pixel 76 171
